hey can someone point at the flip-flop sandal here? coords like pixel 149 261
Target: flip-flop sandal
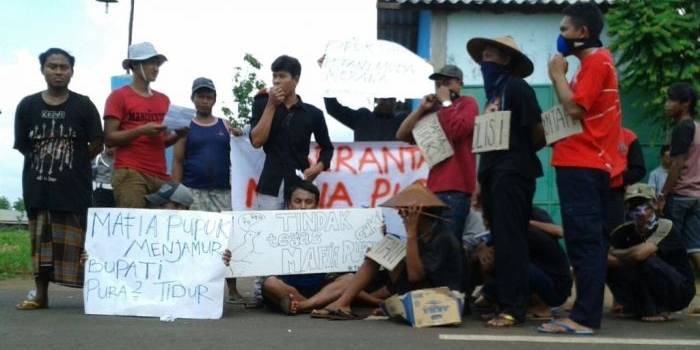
pixel 30 305
pixel 236 300
pixel 340 315
pixel 321 313
pixel 502 320
pixel 286 305
pixel 558 327
pixel 539 317
pixel 656 319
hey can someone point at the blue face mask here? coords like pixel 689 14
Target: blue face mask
pixel 567 46
pixel 495 76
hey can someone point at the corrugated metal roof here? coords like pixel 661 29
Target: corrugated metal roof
pixel 497 2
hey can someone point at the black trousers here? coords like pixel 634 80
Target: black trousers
pixel 103 198
pixel 616 209
pixel 650 288
pixel 507 202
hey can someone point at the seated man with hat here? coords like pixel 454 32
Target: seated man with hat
pixel 433 257
pixel 649 272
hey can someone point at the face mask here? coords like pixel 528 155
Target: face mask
pixel 495 76
pixel 638 213
pixel 567 46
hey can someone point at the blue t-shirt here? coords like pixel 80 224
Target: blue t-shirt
pixel 207 157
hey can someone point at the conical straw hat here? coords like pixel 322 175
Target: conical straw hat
pixel 415 194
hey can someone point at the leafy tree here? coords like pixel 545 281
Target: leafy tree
pixel 4 203
pixel 19 205
pixel 246 84
pixel 658 44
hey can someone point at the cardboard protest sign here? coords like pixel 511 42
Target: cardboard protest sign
pixel 559 125
pixel 426 307
pixel 361 174
pixel 431 139
pixel 374 69
pixel 388 252
pixel 491 132
pixel 290 242
pixel 155 263
pixel 178 117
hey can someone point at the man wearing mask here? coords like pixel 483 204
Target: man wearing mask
pixel 507 177
pixel 586 162
pixel 453 179
pixel 133 124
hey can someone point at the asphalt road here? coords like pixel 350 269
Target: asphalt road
pixel 64 326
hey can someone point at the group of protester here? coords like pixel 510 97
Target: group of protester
pixel 515 257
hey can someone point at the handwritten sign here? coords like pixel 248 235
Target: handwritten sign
pixel 491 132
pixel 374 69
pixel 155 263
pixel 431 139
pixel 559 125
pixel 361 174
pixel 178 117
pixel 290 242
pixel 388 252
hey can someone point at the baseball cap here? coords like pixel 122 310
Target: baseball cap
pixel 171 192
pixel 202 83
pixel 639 190
pixel 449 71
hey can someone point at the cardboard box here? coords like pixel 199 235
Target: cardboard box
pixel 426 307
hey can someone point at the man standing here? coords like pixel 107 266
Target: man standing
pixel 133 117
pixel 202 160
pixel 681 192
pixel 507 177
pixel 453 179
pixel 58 131
pixel 657 177
pixel 586 162
pixel 102 194
pixel 282 125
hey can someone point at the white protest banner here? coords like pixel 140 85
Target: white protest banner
pixel 361 174
pixel 374 69
pixel 558 125
pixel 388 252
pixel 178 117
pixel 491 132
pixel 431 139
pixel 155 263
pixel 290 242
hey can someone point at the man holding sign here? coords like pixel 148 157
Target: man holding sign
pixel 586 162
pixel 507 176
pixel 453 179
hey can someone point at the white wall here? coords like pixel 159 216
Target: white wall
pixel 536 34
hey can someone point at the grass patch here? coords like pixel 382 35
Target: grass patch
pixel 15 250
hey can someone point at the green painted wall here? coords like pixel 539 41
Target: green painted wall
pixel 546 194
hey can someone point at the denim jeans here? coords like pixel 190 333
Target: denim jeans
pixel 685 214
pixel 458 204
pixel 583 195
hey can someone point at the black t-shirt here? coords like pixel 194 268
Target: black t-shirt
pixel 671 249
pixel 54 141
pixel 521 157
pixel 443 265
pixel 682 137
pixel 545 251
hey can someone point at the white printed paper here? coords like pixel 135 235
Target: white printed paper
pixel 155 263
pixel 491 132
pixel 559 125
pixel 290 242
pixel 178 117
pixel 388 252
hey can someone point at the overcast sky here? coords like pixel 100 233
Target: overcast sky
pixel 200 38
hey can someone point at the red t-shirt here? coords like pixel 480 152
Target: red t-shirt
pixel 457 173
pixel 146 153
pixel 624 148
pixel 595 90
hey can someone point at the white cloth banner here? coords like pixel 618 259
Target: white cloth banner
pixel 292 242
pixel 361 175
pixel 374 69
pixel 155 263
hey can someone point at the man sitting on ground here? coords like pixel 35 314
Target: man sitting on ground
pixel 294 294
pixel 649 272
pixel 433 257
